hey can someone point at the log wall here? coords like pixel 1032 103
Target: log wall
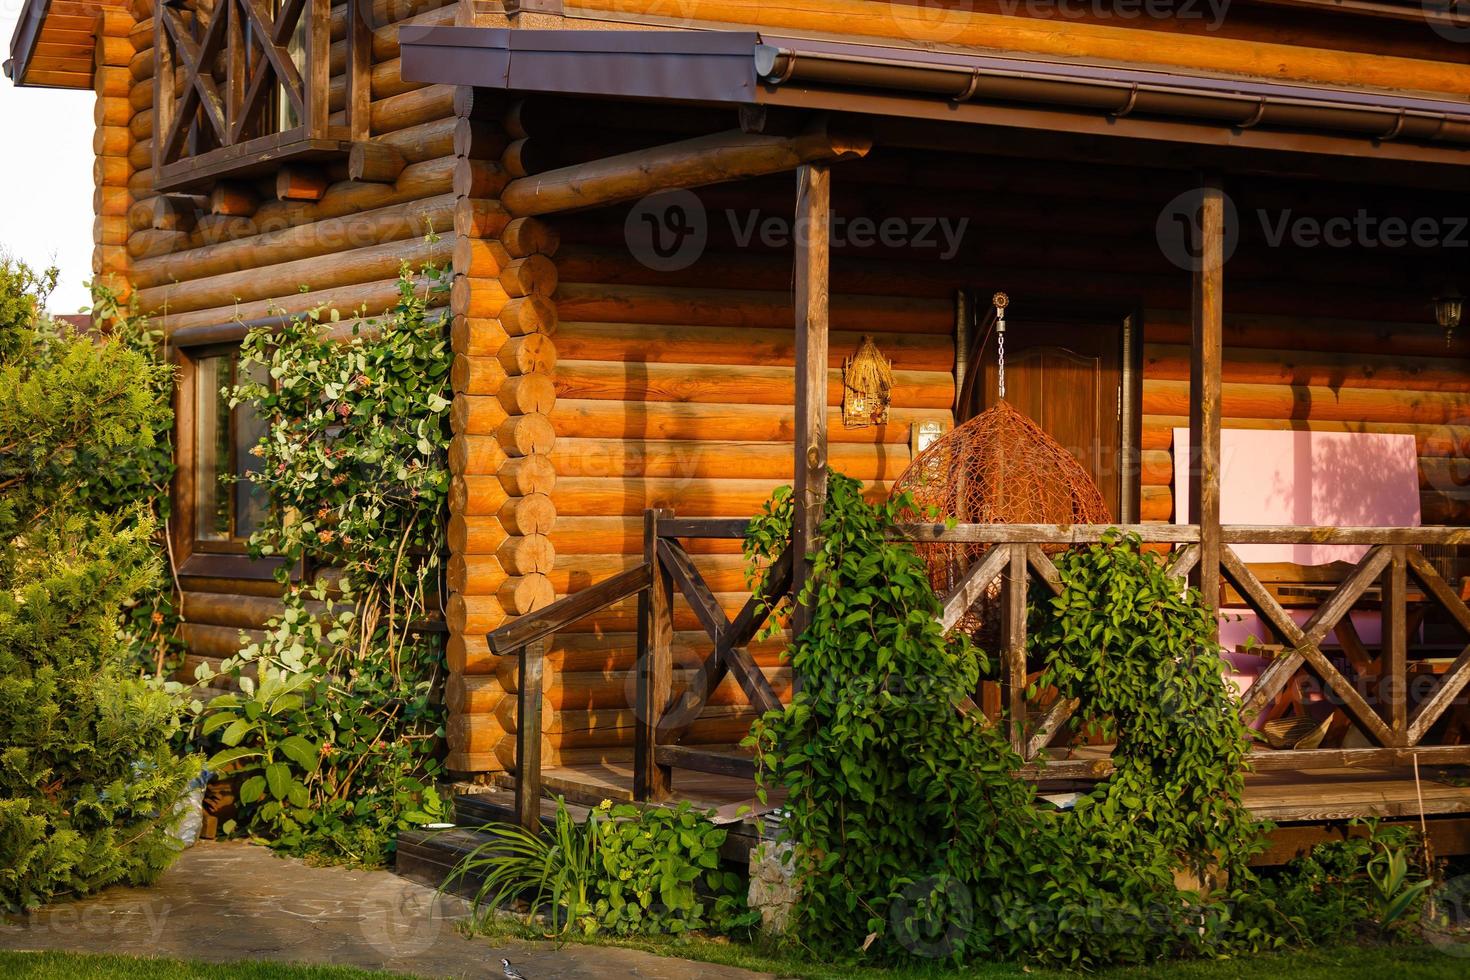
pixel 590 386
pixel 244 250
pixel 674 388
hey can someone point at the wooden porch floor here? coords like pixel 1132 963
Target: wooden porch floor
pixel 1306 805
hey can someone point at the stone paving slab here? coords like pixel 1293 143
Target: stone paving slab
pixel 226 901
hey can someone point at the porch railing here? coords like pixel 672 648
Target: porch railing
pixel 1014 556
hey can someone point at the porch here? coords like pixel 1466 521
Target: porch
pixel 1068 240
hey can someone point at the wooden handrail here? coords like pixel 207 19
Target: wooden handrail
pixel 566 611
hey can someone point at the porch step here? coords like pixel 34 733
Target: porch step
pixel 429 856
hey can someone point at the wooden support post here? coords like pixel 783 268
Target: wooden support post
pixel 1013 629
pixel 812 288
pixel 1393 678
pixel 652 781
pixel 316 75
pixel 360 70
pixel 528 735
pixel 1204 384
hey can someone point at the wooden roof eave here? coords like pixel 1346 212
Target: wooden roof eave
pixel 54 44
pixel 746 68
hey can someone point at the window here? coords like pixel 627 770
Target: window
pixel 216 504
pixel 228 506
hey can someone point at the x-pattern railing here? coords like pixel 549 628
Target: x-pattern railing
pixel 220 68
pixel 1012 557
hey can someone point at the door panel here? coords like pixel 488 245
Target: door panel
pixel 1067 377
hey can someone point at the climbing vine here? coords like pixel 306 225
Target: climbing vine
pixel 912 834
pixel 333 738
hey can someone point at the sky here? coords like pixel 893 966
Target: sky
pixel 46 178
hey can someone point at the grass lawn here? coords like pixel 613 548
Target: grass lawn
pixel 1349 962
pixel 1423 962
pixel 75 966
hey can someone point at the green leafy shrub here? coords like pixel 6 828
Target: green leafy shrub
pixel 1340 889
pixel 88 783
pixel 622 871
pixel 355 467
pixel 914 838
pixel 139 481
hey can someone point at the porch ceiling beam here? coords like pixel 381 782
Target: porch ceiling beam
pixel 696 162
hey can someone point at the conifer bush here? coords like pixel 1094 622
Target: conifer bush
pixel 88 782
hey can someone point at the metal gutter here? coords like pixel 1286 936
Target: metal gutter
pixel 1123 92
pixel 747 68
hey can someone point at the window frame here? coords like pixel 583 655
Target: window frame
pixel 194 556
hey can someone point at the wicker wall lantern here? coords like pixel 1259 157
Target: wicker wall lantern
pixel 867 380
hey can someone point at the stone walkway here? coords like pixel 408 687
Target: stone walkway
pixel 232 901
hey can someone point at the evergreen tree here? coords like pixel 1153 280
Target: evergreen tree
pixel 88 782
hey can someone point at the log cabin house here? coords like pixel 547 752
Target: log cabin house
pixel 1211 230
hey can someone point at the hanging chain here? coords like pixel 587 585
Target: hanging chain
pixel 1001 301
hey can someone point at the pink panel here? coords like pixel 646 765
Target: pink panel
pixel 1322 479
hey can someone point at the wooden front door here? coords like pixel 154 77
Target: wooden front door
pixel 1068 377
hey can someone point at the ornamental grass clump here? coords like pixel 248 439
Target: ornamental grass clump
pixel 622 871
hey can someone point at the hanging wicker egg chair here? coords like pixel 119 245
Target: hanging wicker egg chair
pixel 998 468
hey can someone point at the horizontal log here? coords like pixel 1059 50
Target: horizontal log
pixel 1339 334
pixel 377 163
pixel 373 213
pixel 691 163
pixel 573 572
pixel 598 419
pixel 1430 439
pixel 705 498
pixel 1305 368
pixel 217 641
pixel 622 535
pixel 533 515
pixel 725 724
pixel 579 340
pixel 234 609
pixel 476 336
pixel 341 267
pixel 606 302
pixel 475 454
pixel 579 649
pixel 719 384
pixel 479 218
pixel 1300 402
pixel 371 297
pixel 718 459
